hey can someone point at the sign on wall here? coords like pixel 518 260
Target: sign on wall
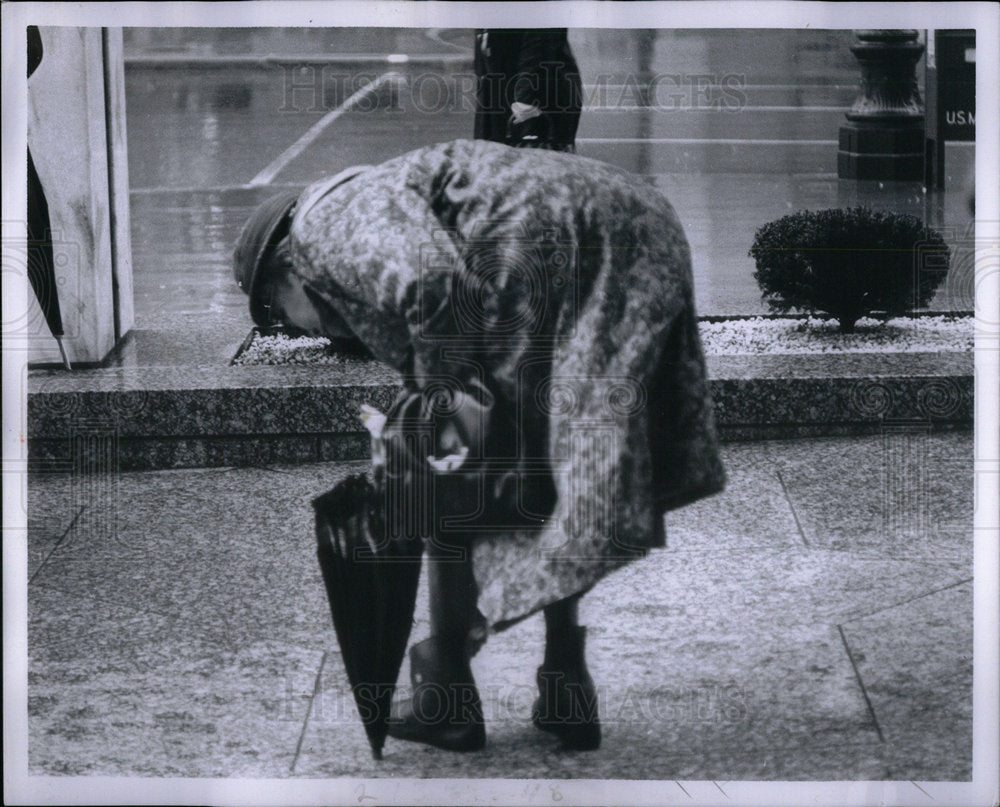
pixel 951 96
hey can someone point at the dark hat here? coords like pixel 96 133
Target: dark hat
pixel 264 229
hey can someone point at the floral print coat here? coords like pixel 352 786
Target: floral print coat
pixel 564 286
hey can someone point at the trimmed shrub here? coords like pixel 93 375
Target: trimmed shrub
pixel 849 263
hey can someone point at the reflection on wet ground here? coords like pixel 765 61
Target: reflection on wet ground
pixel 736 127
pixel 300 41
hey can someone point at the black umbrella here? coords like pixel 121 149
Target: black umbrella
pixel 41 266
pixel 371 575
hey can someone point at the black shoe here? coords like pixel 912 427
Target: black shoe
pixel 567 703
pixel 445 710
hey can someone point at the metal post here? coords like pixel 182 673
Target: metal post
pixel 884 134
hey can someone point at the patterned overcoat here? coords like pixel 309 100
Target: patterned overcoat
pixel 564 285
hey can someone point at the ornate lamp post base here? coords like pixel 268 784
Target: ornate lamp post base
pixel 884 134
pixel 892 153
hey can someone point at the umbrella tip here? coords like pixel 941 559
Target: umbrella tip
pixel 62 351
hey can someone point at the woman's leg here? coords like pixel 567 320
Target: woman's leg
pixel 562 615
pixel 567 701
pixel 452 589
pixel 444 709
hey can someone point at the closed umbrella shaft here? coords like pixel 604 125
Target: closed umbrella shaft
pixel 372 592
pixel 41 262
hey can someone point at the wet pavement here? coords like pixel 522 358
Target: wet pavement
pixel 810 623
pixel 735 133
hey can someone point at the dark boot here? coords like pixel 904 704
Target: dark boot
pixel 445 710
pixel 567 704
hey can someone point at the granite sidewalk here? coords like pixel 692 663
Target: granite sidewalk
pixel 814 622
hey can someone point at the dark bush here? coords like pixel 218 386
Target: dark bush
pixel 849 263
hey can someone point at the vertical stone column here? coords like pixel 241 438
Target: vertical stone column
pixel 884 134
pixel 645 40
pixel 76 133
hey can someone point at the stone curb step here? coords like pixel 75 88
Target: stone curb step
pixel 158 418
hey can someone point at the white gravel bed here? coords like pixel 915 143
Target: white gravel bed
pixel 282 349
pixel 932 334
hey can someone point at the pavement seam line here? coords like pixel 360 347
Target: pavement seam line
pixel 918 787
pixel 861 683
pixel 723 141
pixel 434 35
pixel 791 506
pixel 58 543
pixel 711 110
pixel 317 685
pixel 909 599
pixel 313 132
pixel 682 788
pixel 192 189
pixel 646 84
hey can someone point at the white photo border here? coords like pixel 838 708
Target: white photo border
pixel 20 788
